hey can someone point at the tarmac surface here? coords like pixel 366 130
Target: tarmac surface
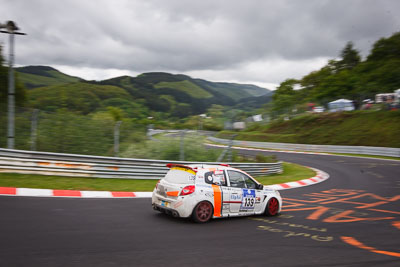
pixel 352 219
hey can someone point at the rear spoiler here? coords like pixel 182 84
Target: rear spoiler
pixel 172 165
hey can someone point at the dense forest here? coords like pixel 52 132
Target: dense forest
pixel 348 77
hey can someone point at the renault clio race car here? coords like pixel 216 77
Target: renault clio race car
pixel 212 191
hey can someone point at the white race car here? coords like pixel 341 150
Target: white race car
pixel 212 191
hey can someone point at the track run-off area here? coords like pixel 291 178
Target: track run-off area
pixel 351 219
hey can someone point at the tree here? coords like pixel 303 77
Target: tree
pixel 116 113
pixel 386 48
pixel 350 57
pixel 285 97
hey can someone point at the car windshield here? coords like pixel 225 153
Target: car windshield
pixel 180 176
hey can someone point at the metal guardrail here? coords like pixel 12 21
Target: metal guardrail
pixel 47 163
pixel 365 150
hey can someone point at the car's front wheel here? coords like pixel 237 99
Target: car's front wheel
pixel 272 207
pixel 202 212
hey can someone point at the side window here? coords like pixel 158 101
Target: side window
pixel 215 177
pixel 249 182
pixel 236 179
pixel 241 180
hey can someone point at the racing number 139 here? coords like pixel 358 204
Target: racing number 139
pixel 249 202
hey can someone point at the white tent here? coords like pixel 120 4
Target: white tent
pixel 341 105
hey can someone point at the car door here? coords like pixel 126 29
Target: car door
pixel 252 187
pixel 244 197
pixel 236 186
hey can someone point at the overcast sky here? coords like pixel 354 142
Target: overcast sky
pixel 248 41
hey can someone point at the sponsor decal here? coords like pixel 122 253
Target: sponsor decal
pixel 178 204
pixel 235 197
pixel 208 194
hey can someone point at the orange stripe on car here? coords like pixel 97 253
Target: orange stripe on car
pixel 217 200
pixel 173 193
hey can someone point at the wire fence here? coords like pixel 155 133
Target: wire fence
pixel 66 132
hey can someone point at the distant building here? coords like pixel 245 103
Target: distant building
pixel 228 125
pixel 239 125
pixel 255 118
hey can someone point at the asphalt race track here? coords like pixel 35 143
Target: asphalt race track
pixel 352 219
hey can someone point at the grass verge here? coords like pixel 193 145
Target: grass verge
pixel 292 172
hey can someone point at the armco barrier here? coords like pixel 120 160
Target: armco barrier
pixel 33 162
pixel 365 150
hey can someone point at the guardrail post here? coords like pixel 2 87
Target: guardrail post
pixel 34 129
pixel 149 130
pixel 228 150
pixel 116 138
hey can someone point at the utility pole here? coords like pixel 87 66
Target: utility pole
pixel 11 29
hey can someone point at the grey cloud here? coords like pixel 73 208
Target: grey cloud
pixel 179 35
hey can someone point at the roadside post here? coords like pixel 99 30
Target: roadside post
pixel 11 29
pixel 116 138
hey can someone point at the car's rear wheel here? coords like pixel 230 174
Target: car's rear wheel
pixel 202 212
pixel 272 207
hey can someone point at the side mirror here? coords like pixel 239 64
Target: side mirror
pixel 260 186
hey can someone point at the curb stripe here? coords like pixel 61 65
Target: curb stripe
pixel 8 191
pixel 67 193
pixel 33 192
pixel 301 183
pixel 123 194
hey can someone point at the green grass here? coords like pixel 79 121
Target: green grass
pixel 292 172
pixel 38 80
pixel 358 128
pixel 186 86
pixel 74 183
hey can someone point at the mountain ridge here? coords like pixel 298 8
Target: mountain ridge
pixel 176 94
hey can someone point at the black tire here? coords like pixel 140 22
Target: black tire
pixel 272 207
pixel 203 212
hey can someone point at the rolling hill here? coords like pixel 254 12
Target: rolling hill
pixel 39 76
pixel 177 94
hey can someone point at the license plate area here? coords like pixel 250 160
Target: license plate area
pixel 164 204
